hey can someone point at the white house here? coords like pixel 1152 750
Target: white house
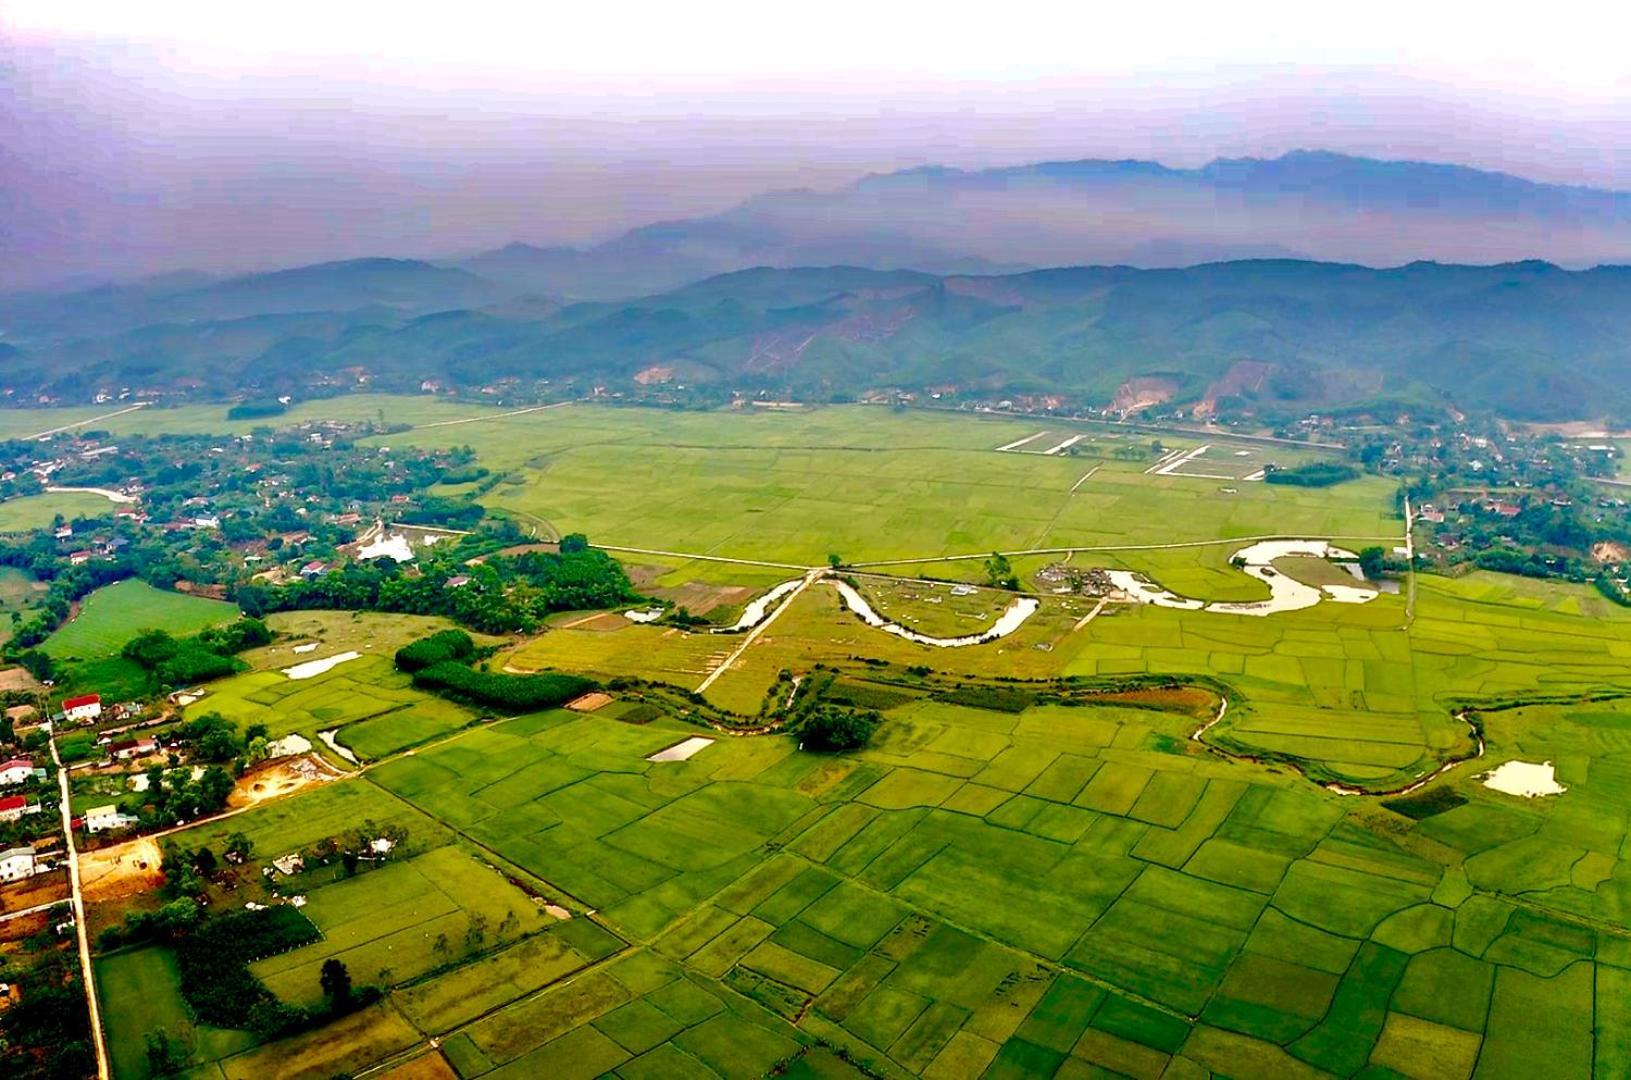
pixel 103 818
pixel 86 708
pixel 16 771
pixel 17 863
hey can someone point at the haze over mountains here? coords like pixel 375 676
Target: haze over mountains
pixel 924 279
pixel 1308 204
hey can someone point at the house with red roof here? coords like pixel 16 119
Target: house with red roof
pixel 84 707
pixel 13 807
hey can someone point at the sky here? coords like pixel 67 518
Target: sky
pixel 143 138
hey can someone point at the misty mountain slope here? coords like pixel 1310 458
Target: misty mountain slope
pixel 1528 339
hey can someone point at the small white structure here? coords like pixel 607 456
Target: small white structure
pixel 16 771
pixel 682 751
pixel 102 818
pixel 289 864
pixel 18 863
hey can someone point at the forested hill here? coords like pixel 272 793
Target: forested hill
pixel 1527 339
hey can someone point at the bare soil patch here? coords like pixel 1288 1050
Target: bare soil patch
pixel 275 779
pixel 431 1066
pixel 700 598
pixel 594 699
pixel 17 678
pixel 121 871
pixel 1608 551
pixel 34 891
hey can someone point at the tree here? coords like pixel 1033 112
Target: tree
pixel 336 983
pixel 165 1054
pixel 999 572
pixel 1372 561
pixel 239 848
pixel 832 728
pixel 835 560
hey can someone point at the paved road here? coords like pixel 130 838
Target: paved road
pixel 78 900
pixel 82 423
pixel 706 558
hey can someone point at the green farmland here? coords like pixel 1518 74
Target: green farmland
pixel 1123 840
pixel 111 616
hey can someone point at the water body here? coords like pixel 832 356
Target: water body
pixel 754 613
pixel 1285 593
pixel 1010 620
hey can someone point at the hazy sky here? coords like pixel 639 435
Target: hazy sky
pixel 139 137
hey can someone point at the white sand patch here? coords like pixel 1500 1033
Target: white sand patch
pixel 1017 443
pixel 390 545
pixel 1010 620
pixel 682 751
pixel 313 668
pixel 755 612
pixel 1066 445
pixel 328 741
pixel 1524 778
pixel 644 616
pixel 288 746
pixel 310 646
pixel 1258 475
pixel 107 493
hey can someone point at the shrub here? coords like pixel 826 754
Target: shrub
pixel 1314 474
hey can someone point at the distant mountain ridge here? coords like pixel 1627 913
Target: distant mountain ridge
pixel 1306 204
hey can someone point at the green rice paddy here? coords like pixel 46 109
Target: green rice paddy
pixel 994 887
pixel 112 615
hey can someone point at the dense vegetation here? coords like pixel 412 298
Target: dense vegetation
pixel 204 656
pixel 496 690
pixel 1313 474
pixel 1528 339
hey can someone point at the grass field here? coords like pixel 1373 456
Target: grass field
pixel 112 615
pixel 38 511
pixel 373 707
pixel 998 885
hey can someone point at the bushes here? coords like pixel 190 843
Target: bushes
pixel 994 698
pixel 436 649
pixel 1314 474
pixel 204 656
pixel 510 693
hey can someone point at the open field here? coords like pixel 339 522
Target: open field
pixel 864 484
pixel 112 615
pixel 37 511
pixel 373 709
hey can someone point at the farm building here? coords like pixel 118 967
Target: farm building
pixel 17 863
pixel 457 581
pixel 103 818
pixel 84 707
pixel 16 771
pixel 315 568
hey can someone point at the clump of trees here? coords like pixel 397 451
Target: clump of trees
pixel 447 645
pixel 833 728
pixel 999 573
pixel 208 655
pixel 496 690
pixel 1313 474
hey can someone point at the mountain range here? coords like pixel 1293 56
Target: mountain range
pixel 1307 205
pixel 1530 340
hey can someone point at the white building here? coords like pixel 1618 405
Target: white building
pixel 16 771
pixel 103 818
pixel 17 863
pixel 85 708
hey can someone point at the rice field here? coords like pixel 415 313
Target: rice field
pixel 996 886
